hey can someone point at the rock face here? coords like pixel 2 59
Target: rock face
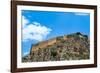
pixel 68 47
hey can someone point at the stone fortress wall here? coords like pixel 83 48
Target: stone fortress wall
pixel 43 44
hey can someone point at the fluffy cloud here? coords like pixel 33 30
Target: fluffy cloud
pixel 25 53
pixel 24 22
pixel 82 14
pixel 34 31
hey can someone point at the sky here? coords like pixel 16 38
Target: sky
pixel 42 25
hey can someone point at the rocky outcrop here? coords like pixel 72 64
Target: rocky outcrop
pixel 68 47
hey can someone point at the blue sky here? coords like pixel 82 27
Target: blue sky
pixel 42 25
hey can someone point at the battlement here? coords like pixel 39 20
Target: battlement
pixel 44 44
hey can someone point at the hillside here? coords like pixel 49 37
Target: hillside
pixel 68 47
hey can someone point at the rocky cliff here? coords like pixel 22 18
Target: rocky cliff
pixel 68 47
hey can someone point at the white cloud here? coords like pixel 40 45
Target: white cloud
pixel 24 21
pixel 84 14
pixel 34 31
pixel 25 53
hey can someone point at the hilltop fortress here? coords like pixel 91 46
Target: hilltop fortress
pixel 44 44
pixel 74 46
pixel 47 43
